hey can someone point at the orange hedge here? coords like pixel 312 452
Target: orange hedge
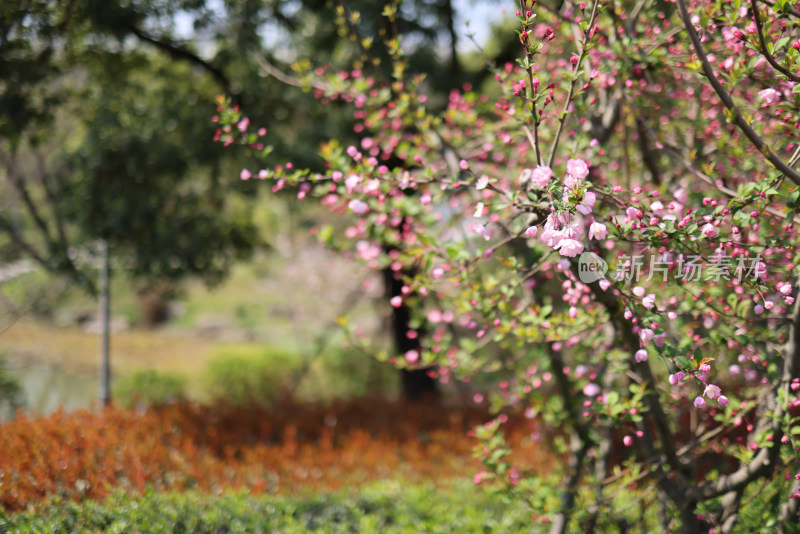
pixel 292 447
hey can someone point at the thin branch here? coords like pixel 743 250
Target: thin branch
pixel 44 178
pixel 271 70
pixel 689 166
pixel 726 99
pixel 18 181
pixel 789 11
pixel 178 52
pixel 360 42
pixel 763 46
pixel 529 69
pixel 15 236
pixel 574 78
pixel 656 411
pixel 769 422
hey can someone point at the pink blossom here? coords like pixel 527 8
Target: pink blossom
pixel 531 232
pixel 412 356
pixel 723 400
pixel 352 182
pixel 358 207
pixel 709 230
pixel 640 356
pixel 712 391
pixel 699 403
pixel 769 96
pixel 649 301
pixel 597 231
pixel 569 247
pixel 675 378
pixel 577 168
pixel 396 301
pixel 627 441
pixel 482 231
pixel 245 174
pixel 541 176
pixel 646 336
pixel 638 291
pixel 586 206
pixel 657 207
pixel 591 389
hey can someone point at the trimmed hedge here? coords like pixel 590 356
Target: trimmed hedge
pixel 384 508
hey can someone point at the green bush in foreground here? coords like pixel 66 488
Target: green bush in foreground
pixel 388 507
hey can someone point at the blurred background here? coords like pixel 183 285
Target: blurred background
pixel 218 288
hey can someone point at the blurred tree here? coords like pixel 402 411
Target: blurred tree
pixel 103 141
pixel 104 108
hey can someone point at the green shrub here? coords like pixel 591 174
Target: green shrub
pixel 149 387
pixel 386 508
pixel 11 397
pixel 347 374
pixel 246 375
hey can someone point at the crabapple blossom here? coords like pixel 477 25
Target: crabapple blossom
pixel 577 169
pixel 769 96
pixel 597 230
pixel 712 391
pixel 358 207
pixel 675 378
pixel 541 176
pixel 586 205
pixel 646 335
pixel 569 247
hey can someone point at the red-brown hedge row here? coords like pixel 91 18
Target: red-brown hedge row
pixel 292 447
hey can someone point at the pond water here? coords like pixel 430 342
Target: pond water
pixel 45 388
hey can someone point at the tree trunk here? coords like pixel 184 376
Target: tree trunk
pixel 417 384
pixel 105 325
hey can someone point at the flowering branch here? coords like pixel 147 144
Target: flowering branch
pixel 763 45
pixel 726 99
pixel 588 34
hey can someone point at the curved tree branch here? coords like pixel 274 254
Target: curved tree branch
pixel 769 422
pixel 726 99
pixel 763 46
pixel 178 52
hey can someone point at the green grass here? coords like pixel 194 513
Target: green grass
pixel 388 507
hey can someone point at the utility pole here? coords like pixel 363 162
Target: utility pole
pixel 105 326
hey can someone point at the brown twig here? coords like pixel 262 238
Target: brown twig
pixel 763 46
pixel 726 99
